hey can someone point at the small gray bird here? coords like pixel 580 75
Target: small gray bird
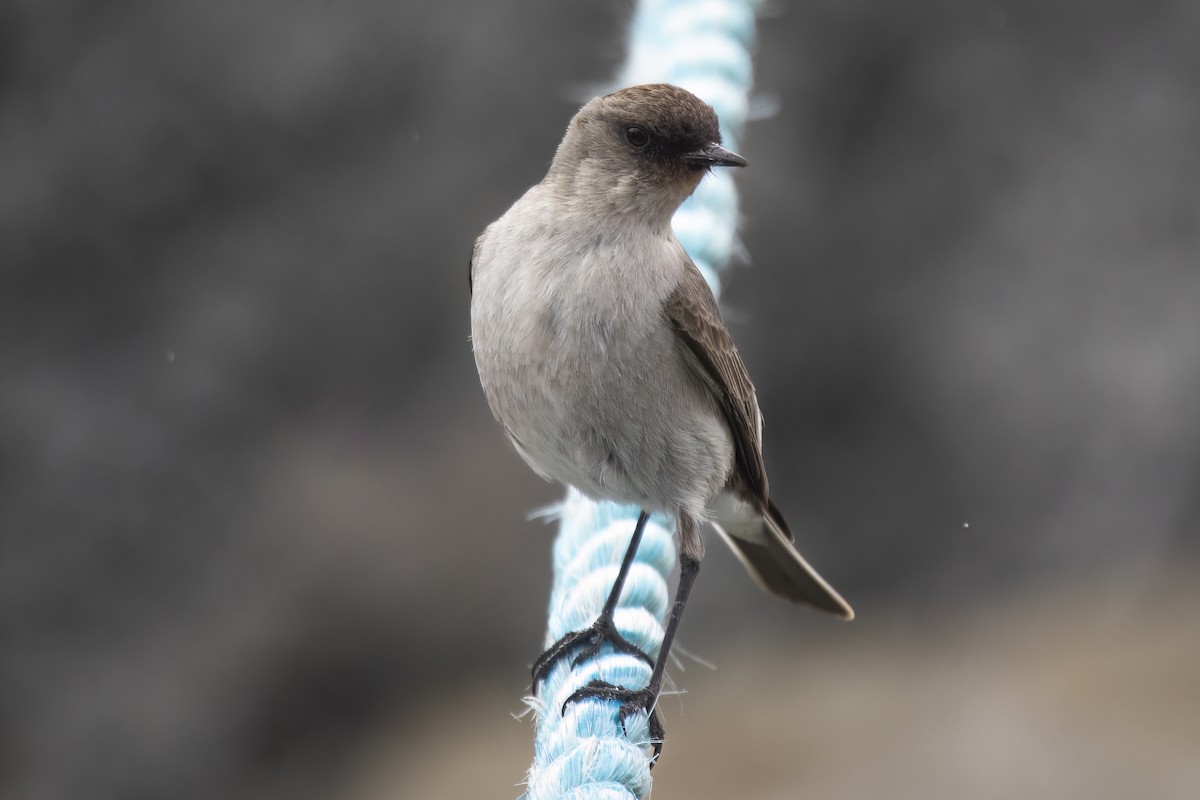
pixel 602 353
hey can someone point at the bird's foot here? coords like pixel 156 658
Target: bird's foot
pixel 632 701
pixel 601 631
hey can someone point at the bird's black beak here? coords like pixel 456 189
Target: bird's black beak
pixel 713 155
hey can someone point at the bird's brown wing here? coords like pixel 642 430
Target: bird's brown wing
pixel 767 549
pixel 693 311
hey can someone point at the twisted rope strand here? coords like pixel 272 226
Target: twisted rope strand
pixel 582 753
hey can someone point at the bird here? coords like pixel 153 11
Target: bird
pixel 603 355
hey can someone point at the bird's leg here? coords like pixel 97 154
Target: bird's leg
pixel 633 700
pixel 603 629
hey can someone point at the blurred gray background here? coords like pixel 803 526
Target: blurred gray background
pixel 259 536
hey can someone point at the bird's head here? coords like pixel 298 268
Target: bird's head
pixel 644 148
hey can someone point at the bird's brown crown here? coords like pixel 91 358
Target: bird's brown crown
pixel 674 117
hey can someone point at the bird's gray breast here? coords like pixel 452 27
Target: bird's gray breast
pixel 582 367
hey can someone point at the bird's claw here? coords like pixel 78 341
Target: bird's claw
pixel 601 631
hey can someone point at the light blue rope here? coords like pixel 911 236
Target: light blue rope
pixel 703 46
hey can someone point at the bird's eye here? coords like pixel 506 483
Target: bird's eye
pixel 637 137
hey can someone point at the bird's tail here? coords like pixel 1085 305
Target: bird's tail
pixel 763 543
